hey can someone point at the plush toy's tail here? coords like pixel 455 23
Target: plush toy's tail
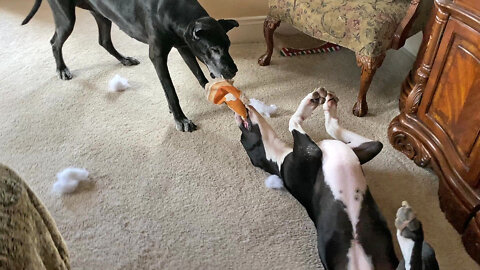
pixel 223 91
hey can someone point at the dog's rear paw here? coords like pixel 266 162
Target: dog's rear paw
pixel 331 101
pixel 64 74
pixel 308 104
pixel 320 94
pixel 185 125
pixel 129 61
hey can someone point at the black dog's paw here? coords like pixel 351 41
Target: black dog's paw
pixel 185 125
pixel 129 61
pixel 64 74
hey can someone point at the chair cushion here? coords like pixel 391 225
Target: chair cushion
pixel 29 238
pixel 364 26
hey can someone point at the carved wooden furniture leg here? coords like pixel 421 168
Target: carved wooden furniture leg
pixel 369 66
pixel 269 26
pixel 410 81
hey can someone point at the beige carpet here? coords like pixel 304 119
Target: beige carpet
pixel 161 199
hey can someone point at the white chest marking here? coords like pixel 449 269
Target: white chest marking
pixel 344 176
pixel 358 259
pixel 406 246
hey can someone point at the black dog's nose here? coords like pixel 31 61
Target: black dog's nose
pixel 229 75
pixel 231 72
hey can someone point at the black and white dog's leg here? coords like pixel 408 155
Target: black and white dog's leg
pixel 265 149
pixel 416 253
pixel 158 53
pixel 306 158
pixel 192 63
pixel 105 39
pixel 334 129
pixel 64 16
pixel 305 109
pixel 364 148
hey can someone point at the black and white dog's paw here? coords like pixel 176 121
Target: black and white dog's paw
pixel 331 101
pixel 64 74
pixel 321 94
pixel 315 98
pixel 129 61
pixel 308 104
pixel 185 125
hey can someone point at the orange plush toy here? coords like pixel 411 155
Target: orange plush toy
pixel 223 91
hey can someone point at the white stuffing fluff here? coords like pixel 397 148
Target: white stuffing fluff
pixel 68 179
pixel 274 182
pixel 118 84
pixel 262 108
pixel 230 97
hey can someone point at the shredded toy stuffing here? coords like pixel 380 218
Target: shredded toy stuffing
pixel 262 108
pixel 118 84
pixel 68 179
pixel 274 182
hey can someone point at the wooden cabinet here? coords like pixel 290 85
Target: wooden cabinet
pixel 439 124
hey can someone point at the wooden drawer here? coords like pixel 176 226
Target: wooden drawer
pixel 469 5
pixel 471 238
pixel 456 210
pixel 450 107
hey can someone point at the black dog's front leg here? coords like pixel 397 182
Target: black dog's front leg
pixel 192 63
pixel 159 54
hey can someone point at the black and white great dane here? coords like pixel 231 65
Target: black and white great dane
pixel 328 180
pixel 162 24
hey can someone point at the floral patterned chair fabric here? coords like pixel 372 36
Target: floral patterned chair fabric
pixel 29 238
pixel 366 27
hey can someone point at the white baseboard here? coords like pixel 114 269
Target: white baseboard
pixel 408 53
pixel 250 30
pixel 413 43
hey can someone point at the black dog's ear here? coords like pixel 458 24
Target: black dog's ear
pixel 228 24
pixel 198 30
pixel 368 150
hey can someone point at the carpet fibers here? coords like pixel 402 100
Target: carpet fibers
pixel 161 199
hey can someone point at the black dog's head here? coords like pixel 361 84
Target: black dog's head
pixel 208 40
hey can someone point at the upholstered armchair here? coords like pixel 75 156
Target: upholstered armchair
pixel 367 27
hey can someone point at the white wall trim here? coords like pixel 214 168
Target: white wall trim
pixel 408 53
pixel 250 20
pixel 250 30
pixel 413 43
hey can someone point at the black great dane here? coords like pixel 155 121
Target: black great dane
pixel 162 24
pixel 327 179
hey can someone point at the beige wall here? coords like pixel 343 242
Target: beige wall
pixel 250 14
pixel 235 8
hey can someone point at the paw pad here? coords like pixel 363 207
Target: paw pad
pixel 319 94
